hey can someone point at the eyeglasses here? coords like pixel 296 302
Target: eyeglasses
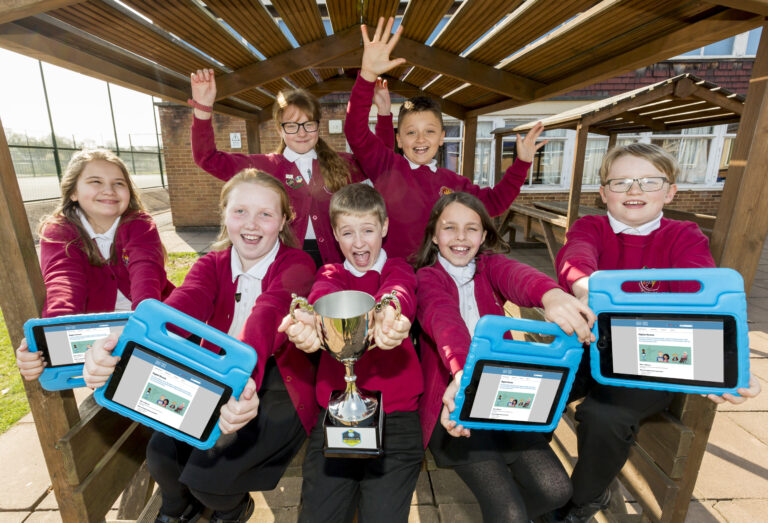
pixel 293 127
pixel 648 184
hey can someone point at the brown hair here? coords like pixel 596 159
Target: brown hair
pixel 659 157
pixel 357 198
pixel 267 181
pixel 493 243
pixel 66 211
pixel 419 104
pixel 333 167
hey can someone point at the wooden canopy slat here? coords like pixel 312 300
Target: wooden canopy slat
pixel 421 18
pixel 23 8
pixel 373 10
pixel 303 20
pixel 252 21
pixel 344 13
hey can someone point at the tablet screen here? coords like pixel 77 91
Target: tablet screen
pixel 691 349
pixel 67 343
pixel 167 391
pixel 504 392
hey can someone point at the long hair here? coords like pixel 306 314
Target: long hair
pixel 427 253
pixel 267 181
pixel 66 210
pixel 334 168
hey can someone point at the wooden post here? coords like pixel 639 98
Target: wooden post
pixel 253 136
pixel 498 147
pixel 612 140
pixel 574 196
pixel 468 148
pixel 21 297
pixel 742 223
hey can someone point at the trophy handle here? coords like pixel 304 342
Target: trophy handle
pixel 300 302
pixel 387 299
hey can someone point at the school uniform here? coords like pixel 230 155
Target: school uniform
pixel 308 195
pixel 255 457
pixel 384 484
pixel 609 417
pixel 411 191
pixel 136 271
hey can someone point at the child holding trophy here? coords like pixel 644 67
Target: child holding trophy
pixel 384 484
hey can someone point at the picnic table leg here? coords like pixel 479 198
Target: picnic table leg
pixel 553 246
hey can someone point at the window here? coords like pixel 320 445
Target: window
pixel 744 44
pixel 483 154
pixel 547 165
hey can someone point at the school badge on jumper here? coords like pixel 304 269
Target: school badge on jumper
pixel 445 190
pixel 294 182
pixel 125 257
pixel 351 437
pixel 649 285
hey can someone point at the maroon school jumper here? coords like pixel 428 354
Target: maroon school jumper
pixel 591 244
pixel 74 286
pixel 445 340
pixel 208 294
pixel 410 193
pixel 307 200
pixel 394 372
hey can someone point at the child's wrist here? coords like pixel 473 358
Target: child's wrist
pixel 368 76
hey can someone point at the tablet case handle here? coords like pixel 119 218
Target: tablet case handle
pixel 496 326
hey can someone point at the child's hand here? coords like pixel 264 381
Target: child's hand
pixel 751 392
pixel 570 313
pixel 381 98
pixel 377 50
pixel 99 362
pixel 389 332
pixel 235 414
pixel 203 90
pixel 31 364
pixel 527 147
pixel 449 404
pixel 301 332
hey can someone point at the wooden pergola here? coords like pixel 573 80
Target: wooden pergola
pixel 489 55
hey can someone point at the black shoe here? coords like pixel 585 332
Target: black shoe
pixel 245 513
pixel 190 515
pixel 571 513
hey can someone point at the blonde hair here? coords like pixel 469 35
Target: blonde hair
pixel 659 157
pixel 357 198
pixel 66 211
pixel 267 181
pixel 334 168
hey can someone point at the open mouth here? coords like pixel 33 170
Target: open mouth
pixel 459 250
pixel 634 204
pixel 251 239
pixel 361 259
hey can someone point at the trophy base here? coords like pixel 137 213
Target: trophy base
pixel 363 440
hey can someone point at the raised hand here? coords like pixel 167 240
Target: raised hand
pixel 527 146
pixel 31 364
pixel 376 50
pixel 235 414
pixel 381 98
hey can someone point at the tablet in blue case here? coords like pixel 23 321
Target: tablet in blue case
pixel 516 385
pixel 63 341
pixel 694 342
pixel 171 384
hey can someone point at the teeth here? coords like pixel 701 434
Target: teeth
pixel 251 237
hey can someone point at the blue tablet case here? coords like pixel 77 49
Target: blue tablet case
pixel 148 327
pixel 69 376
pixel 489 344
pixel 721 293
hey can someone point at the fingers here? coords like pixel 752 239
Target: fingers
pixel 287 322
pixel 99 362
pixel 753 390
pixel 235 414
pixel 31 364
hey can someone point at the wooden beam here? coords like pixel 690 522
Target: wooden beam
pixel 753 6
pixel 742 223
pixel 733 105
pixel 351 60
pixel 612 140
pixel 436 60
pixel 574 196
pixel 409 91
pixel 253 136
pixel 284 64
pixel 11 10
pixel 647 121
pixel 468 148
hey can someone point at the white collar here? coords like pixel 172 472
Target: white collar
pixel 257 271
pixel 432 165
pixel 462 275
pixel 644 230
pixel 109 235
pixel 377 266
pixel 292 155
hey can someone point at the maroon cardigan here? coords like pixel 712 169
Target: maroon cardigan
pixel 410 193
pixel 208 294
pixel 445 338
pixel 307 200
pixel 74 286
pixel 394 372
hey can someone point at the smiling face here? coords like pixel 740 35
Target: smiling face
pixel 254 219
pixel 635 207
pixel 459 234
pixel 360 237
pixel 302 141
pixel 102 193
pixel 419 135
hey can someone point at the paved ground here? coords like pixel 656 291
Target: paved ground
pixel 732 485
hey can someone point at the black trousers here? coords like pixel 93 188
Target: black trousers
pixel 380 489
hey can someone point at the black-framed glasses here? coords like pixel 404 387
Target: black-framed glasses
pixel 647 184
pixel 293 127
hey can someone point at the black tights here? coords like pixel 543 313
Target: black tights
pixel 531 486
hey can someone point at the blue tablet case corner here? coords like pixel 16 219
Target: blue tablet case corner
pixel 148 327
pixel 68 376
pixel 488 343
pixel 721 293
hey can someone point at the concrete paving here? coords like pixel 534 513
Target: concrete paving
pixel 732 485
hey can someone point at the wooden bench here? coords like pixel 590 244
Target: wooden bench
pixel 536 224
